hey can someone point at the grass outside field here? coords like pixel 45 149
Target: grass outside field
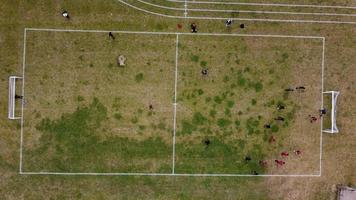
pixel 338 150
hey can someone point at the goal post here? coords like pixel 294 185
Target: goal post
pixel 333 128
pixel 13 97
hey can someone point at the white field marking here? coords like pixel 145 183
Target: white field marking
pixel 241 19
pixel 266 4
pixel 322 105
pixel 166 174
pixel 185 8
pixel 159 174
pixel 246 11
pixel 175 33
pixel 175 106
pixel 23 94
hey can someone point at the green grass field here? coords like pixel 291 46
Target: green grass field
pixel 83 113
pixel 240 94
pixel 89 114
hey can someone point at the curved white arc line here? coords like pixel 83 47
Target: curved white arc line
pixel 265 4
pixel 246 11
pixel 242 19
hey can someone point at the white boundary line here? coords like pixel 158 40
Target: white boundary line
pixel 241 19
pixel 245 11
pixel 322 104
pixel 175 33
pixel 176 80
pixel 185 8
pixel 175 106
pixel 167 174
pixel 23 94
pixel 266 4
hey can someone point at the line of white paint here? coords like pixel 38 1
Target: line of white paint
pixel 176 80
pixel 166 174
pixel 175 33
pixel 247 11
pixel 175 106
pixel 23 94
pixel 322 106
pixel 241 19
pixel 185 8
pixel 266 4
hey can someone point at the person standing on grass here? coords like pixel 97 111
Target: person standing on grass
pixel 312 119
pixel 204 72
pixel 267 126
pixel 297 152
pixel 228 23
pixel 111 36
pixel 207 142
pixel 279 162
pixel 18 96
pixel 280 107
pixel 65 14
pixel 271 139
pixel 300 89
pixel 279 118
pixel 194 28
pixel 322 112
pixel 284 154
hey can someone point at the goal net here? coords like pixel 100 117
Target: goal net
pixel 332 127
pixel 13 97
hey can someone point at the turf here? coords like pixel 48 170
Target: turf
pixel 239 96
pixel 99 119
pixel 111 15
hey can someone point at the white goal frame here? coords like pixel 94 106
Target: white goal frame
pixel 334 95
pixel 12 99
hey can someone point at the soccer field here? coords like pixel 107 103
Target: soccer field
pixel 194 104
pixel 155 111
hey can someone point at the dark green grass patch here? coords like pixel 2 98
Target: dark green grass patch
pixel 203 63
pixel 74 143
pixel 223 123
pixel 194 58
pixel 117 116
pixel 230 104
pixel 241 81
pixel 139 77
pixel 199 119
pixel 258 86
pixel 187 127
pixel 252 125
pixel 218 157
